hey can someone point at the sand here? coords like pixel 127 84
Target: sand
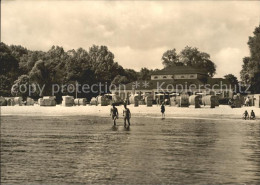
pixel 221 112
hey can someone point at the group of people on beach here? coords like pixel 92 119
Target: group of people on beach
pixel 246 115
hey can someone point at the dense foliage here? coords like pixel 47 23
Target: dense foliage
pixel 250 73
pixel 189 57
pixel 20 66
pixel 232 79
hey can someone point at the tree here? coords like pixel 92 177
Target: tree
pixel 27 61
pixel 8 63
pixel 21 87
pixel 5 85
pixel 255 82
pixel 46 74
pixel 78 66
pixel 8 69
pixel 120 80
pixel 189 56
pixel 193 57
pixel 232 79
pixel 251 65
pixel 18 51
pixel 41 74
pixel 144 74
pixel 254 45
pixel 246 67
pixel 170 58
pixel 102 61
pixel 131 75
pixel 51 70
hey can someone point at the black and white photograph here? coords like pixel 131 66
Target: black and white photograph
pixel 129 92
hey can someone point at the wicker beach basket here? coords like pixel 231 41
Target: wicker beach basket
pixel 209 101
pixel 18 101
pixel 194 101
pixel 3 101
pixel 183 100
pixel 29 101
pixel 67 101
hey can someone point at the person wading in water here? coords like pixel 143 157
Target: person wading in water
pixel 127 115
pixel 114 114
pixel 163 110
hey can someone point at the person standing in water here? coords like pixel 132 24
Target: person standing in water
pixel 252 115
pixel 127 115
pixel 114 113
pixel 163 111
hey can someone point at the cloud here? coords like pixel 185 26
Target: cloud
pixel 137 32
pixel 231 58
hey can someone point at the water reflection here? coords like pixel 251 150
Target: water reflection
pixel 252 147
pixel 114 128
pixel 90 150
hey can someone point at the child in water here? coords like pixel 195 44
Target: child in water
pixel 114 113
pixel 163 110
pixel 127 115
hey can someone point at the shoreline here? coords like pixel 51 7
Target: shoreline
pixel 219 113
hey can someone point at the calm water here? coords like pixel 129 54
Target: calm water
pixel 66 150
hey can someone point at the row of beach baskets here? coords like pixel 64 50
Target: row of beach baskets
pixel 67 101
pixel 195 101
pixel 12 101
pixel 44 101
pixel 180 101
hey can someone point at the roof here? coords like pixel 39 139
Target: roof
pixel 179 70
pixel 185 83
pixel 214 81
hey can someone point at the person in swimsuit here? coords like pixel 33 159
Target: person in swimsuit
pixel 163 110
pixel 114 113
pixel 245 115
pixel 252 115
pixel 127 115
pixel 247 102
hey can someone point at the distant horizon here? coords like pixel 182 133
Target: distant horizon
pixel 136 32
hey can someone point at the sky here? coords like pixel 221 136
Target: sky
pixel 137 32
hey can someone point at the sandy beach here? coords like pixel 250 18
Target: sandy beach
pixel 221 112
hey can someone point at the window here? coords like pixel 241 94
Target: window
pixel 156 77
pixel 164 76
pixel 192 76
pixel 182 76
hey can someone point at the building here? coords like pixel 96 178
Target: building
pixel 177 80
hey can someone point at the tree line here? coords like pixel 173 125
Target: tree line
pixel 56 66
